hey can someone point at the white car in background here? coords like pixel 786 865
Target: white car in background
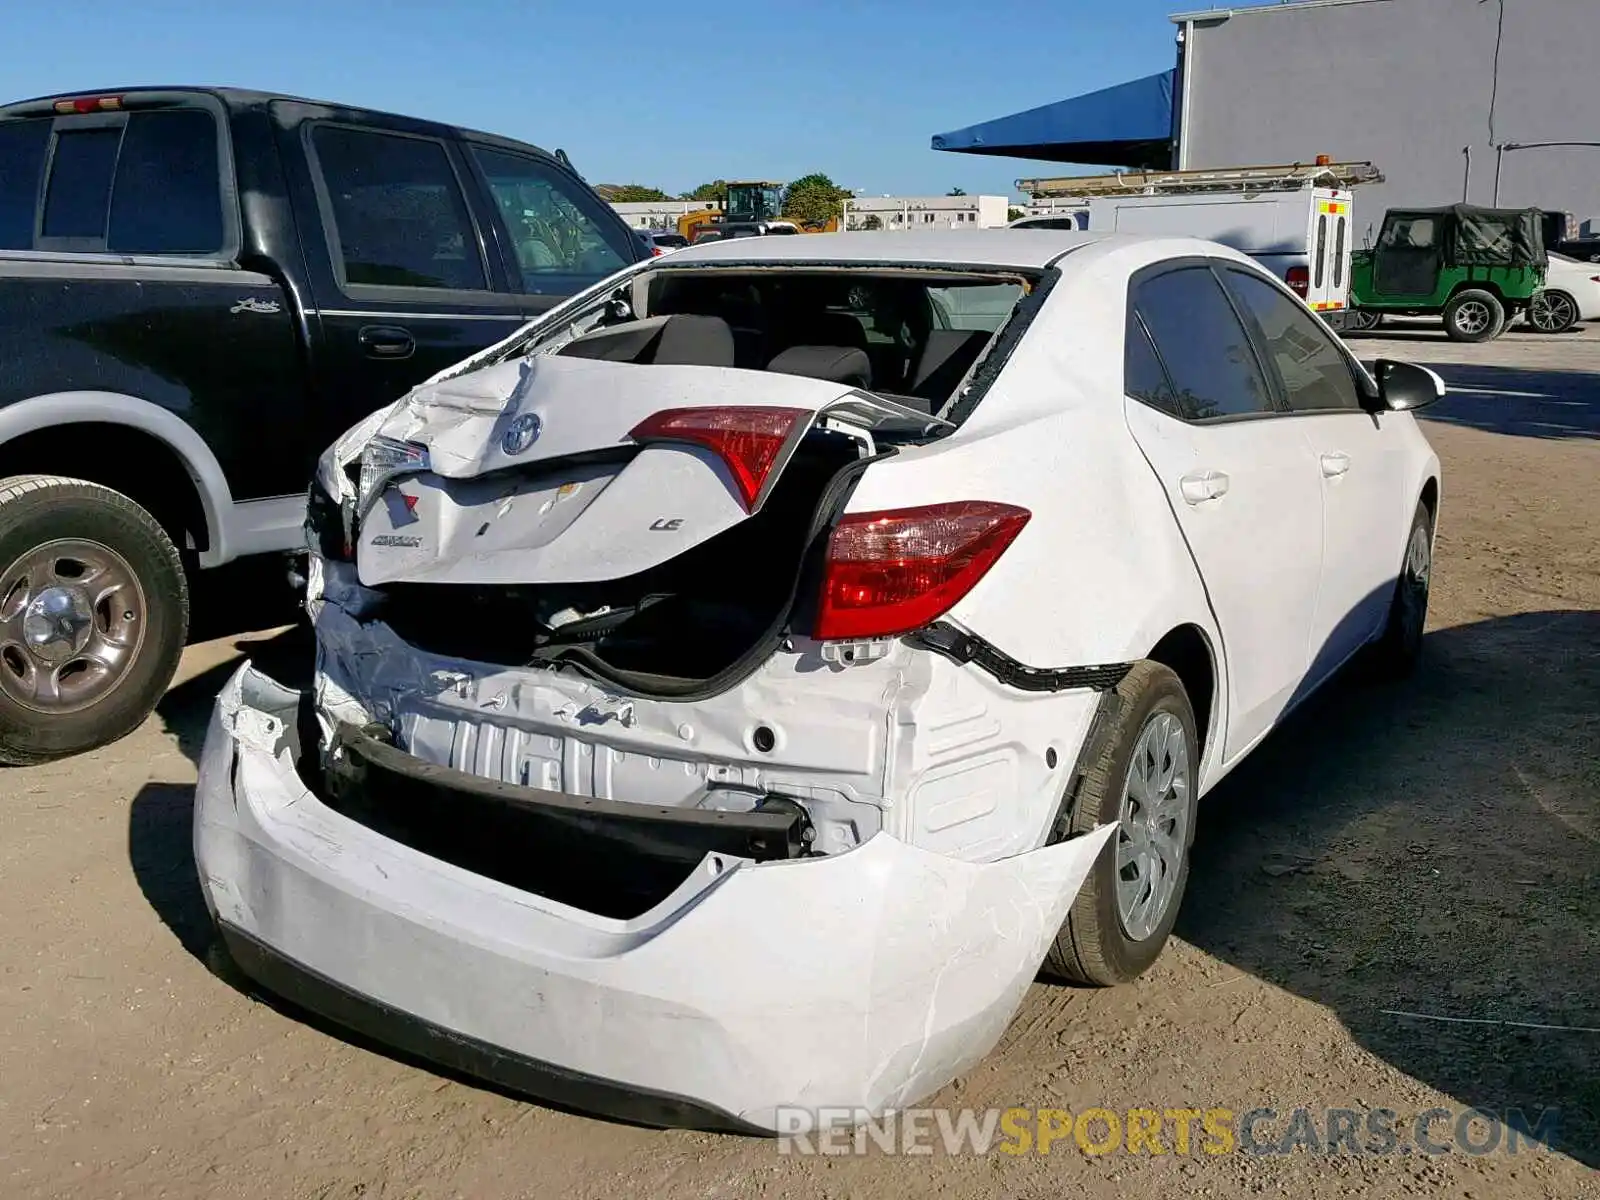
pixel 1571 294
pixel 734 687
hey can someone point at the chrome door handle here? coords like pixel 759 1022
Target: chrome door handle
pixel 1199 486
pixel 1335 464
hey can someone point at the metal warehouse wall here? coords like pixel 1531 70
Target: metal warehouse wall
pixel 1406 84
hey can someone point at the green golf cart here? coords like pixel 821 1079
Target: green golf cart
pixel 1478 268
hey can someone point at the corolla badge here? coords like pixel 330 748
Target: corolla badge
pixel 521 433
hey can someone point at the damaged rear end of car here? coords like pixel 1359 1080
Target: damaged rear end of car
pixel 632 776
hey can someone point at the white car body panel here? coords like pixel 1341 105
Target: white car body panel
pixel 872 971
pixel 1580 280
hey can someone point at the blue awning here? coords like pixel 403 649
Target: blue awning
pixel 1127 125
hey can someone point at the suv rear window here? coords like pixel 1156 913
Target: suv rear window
pixel 147 183
pixel 22 149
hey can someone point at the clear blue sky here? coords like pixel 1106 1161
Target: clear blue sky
pixel 663 94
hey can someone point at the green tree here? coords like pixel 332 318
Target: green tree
pixel 813 198
pixel 956 192
pixel 872 221
pixel 630 193
pixel 1015 214
pixel 716 190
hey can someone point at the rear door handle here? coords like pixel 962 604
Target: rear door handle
pixel 387 341
pixel 1335 464
pixel 1199 486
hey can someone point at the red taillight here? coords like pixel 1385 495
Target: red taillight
pixel 1299 279
pixel 891 572
pixel 89 104
pixel 749 440
pixel 655 251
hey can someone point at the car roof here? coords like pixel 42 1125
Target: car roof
pixel 1026 249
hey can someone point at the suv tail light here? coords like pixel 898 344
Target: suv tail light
pixel 894 571
pixel 751 441
pixel 1299 279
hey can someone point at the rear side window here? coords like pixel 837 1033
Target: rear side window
pixel 1315 375
pixel 149 183
pixel 1338 254
pixel 168 193
pixel 1205 350
pixel 80 182
pixel 562 237
pixel 1145 379
pixel 398 212
pixel 1322 249
pixel 22 149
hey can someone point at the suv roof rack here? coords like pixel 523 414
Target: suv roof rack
pixel 1285 177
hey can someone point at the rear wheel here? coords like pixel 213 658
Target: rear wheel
pixel 1474 316
pixel 94 609
pixel 1553 312
pixel 1144 777
pixel 1363 320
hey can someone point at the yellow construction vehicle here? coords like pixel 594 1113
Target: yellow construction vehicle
pixel 751 210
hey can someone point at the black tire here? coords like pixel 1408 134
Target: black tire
pixel 1093 946
pixel 1397 652
pixel 1473 315
pixel 39 509
pixel 1553 311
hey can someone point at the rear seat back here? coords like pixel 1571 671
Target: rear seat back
pixel 836 364
pixel 945 358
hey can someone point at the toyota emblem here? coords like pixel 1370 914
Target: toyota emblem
pixel 521 433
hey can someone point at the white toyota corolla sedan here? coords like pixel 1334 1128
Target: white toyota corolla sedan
pixel 734 688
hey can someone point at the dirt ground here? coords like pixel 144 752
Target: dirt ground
pixel 1431 847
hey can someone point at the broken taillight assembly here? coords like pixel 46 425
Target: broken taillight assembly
pixel 897 570
pixel 751 441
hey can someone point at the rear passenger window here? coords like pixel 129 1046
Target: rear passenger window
pixel 80 182
pixel 398 212
pixel 1145 379
pixel 168 193
pixel 22 149
pixel 1202 344
pixel 1315 375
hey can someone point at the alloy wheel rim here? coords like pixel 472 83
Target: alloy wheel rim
pixel 1153 825
pixel 1551 312
pixel 72 621
pixel 1472 317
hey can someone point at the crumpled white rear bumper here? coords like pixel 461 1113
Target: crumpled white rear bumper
pixel 863 980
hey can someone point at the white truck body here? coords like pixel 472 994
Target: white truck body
pixel 1304 236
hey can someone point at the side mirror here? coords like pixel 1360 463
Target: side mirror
pixel 1404 386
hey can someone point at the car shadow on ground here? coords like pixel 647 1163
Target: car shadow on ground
pixel 1521 401
pixel 1422 847
pixel 1430 847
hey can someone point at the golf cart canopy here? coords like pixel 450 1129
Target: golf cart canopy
pixel 1483 237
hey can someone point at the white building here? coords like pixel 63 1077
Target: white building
pixel 658 214
pixel 926 212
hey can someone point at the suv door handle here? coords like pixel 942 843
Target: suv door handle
pixel 1335 464
pixel 1199 486
pixel 387 341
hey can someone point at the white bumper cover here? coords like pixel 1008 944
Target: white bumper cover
pixel 863 981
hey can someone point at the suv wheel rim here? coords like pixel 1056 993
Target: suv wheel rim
pixel 72 618
pixel 1472 317
pixel 1153 826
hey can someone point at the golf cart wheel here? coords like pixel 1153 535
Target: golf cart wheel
pixel 1395 655
pixel 1144 776
pixel 1474 316
pixel 1363 320
pixel 1553 312
pixel 94 610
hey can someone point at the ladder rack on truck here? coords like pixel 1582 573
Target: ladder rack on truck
pixel 1284 177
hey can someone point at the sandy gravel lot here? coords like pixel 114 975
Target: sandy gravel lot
pixel 1432 847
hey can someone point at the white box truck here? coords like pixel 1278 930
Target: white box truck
pixel 1305 236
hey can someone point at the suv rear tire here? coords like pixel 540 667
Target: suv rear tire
pixel 1096 944
pixel 1473 315
pixel 94 611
